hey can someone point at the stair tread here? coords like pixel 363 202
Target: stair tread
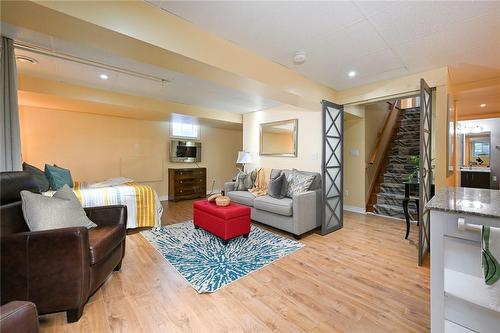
pixel 398 174
pixel 392 195
pixel 390 184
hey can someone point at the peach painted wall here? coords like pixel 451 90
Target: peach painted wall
pixel 96 147
pixel 354 164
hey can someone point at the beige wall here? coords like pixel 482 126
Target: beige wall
pixel 309 138
pixel 96 147
pixel 354 163
pixel 375 115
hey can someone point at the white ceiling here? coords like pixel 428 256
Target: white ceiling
pixel 181 88
pixel 379 40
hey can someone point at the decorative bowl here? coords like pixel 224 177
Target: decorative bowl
pixel 222 201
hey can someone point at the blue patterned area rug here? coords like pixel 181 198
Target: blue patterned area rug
pixel 206 263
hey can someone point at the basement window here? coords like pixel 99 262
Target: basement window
pixel 184 130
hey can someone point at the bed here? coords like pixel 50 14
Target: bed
pixel 144 208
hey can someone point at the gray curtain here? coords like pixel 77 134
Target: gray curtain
pixel 10 145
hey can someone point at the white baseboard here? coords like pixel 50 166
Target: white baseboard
pixel 387 217
pixel 354 209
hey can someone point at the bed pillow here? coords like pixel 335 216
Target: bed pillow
pixel 58 177
pixel 39 176
pixel 298 182
pixel 63 210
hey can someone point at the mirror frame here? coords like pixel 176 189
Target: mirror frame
pixel 295 123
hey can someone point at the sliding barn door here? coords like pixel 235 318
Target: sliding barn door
pixel 425 170
pixel 332 167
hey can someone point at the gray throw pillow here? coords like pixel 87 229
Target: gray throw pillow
pixel 275 186
pixel 63 210
pixel 245 181
pixel 298 183
pixel 275 173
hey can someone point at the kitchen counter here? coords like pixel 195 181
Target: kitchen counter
pixel 459 295
pixel 476 169
pixel 480 202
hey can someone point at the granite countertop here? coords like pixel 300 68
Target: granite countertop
pixel 471 201
pixel 475 169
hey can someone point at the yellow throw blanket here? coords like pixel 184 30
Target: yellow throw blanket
pixel 261 182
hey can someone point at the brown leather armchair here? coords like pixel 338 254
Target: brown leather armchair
pixel 59 269
pixel 18 316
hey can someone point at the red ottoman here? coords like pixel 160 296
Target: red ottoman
pixel 224 222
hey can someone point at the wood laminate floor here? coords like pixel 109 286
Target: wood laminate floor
pixel 363 278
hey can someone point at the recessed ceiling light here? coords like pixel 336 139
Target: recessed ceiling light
pixel 299 57
pixel 482 105
pixel 351 74
pixel 26 59
pixel 104 76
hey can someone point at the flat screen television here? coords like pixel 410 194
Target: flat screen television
pixel 185 151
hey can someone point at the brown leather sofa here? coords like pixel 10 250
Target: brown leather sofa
pixel 18 316
pixel 59 269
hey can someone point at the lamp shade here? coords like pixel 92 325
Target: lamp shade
pixel 244 157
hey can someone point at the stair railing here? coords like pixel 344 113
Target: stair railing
pixel 384 137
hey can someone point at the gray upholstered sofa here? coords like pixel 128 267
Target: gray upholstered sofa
pixel 296 215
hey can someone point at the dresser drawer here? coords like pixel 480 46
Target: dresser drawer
pixel 189 181
pixel 184 191
pixel 197 172
pixel 190 178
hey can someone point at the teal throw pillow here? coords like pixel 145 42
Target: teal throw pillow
pixel 58 177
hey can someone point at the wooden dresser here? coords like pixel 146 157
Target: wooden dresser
pixel 188 183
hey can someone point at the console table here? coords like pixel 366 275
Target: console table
pixel 412 193
pixel 187 183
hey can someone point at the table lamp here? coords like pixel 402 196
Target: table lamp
pixel 243 158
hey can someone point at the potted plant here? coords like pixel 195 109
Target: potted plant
pixel 416 168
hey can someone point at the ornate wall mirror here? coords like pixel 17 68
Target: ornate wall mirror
pixel 279 138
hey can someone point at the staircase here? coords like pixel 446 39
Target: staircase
pixel 389 191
